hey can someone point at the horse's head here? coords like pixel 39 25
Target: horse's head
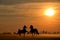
pixel 31 26
pixel 24 26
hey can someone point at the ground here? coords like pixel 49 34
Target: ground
pixel 30 37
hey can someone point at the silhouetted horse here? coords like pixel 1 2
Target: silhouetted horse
pixel 33 31
pixel 23 31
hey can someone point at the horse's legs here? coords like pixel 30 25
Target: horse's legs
pixel 32 34
pixel 19 34
pixel 24 34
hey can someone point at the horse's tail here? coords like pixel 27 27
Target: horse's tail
pixel 37 31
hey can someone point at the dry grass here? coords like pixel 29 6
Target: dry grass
pixel 30 37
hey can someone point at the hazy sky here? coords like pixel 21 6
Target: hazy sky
pixel 16 13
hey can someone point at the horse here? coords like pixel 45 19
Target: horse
pixel 33 31
pixel 23 31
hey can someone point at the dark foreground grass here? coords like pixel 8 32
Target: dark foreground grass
pixel 28 38
pixel 39 37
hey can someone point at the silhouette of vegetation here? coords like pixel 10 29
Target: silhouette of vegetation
pixel 44 32
pixel 6 32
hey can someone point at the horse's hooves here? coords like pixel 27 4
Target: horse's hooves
pixel 38 33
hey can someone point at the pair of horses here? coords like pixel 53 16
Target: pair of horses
pixel 24 31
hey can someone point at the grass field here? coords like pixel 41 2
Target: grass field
pixel 30 37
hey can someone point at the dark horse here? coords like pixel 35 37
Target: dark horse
pixel 33 31
pixel 23 31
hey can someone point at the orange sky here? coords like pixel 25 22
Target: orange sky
pixel 14 16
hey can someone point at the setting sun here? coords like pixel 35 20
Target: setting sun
pixel 49 12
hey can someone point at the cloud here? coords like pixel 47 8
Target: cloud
pixel 13 11
pixel 6 10
pixel 24 10
pixel 11 2
pixel 22 13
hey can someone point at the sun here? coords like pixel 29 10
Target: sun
pixel 49 12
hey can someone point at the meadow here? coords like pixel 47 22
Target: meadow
pixel 30 37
